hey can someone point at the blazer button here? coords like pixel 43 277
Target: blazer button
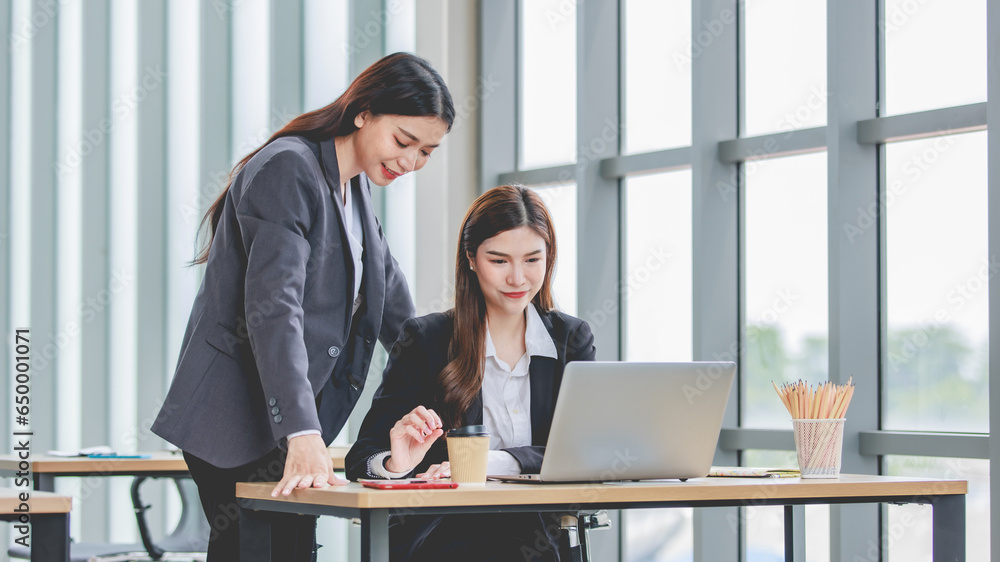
pixel 274 410
pixel 277 419
pixel 334 351
pixel 272 402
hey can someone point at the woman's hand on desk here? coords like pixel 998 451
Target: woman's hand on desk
pixel 308 465
pixel 411 437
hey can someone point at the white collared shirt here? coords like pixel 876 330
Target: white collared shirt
pixel 355 238
pixel 506 400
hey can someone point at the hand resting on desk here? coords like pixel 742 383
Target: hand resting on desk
pixel 308 465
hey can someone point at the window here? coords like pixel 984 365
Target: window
pixel 548 83
pixel 657 282
pixel 657 74
pixel 934 42
pixel 721 169
pixel 786 281
pixel 785 85
pixel 936 373
pixel 908 528
pixel 561 202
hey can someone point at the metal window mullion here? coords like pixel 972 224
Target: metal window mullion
pixel 215 77
pixel 597 197
pixel 646 163
pixel 993 161
pixel 540 176
pixel 871 443
pixel 949 445
pixel 366 33
pixel 854 273
pixel 498 111
pixel 6 267
pixel 716 302
pixel 44 268
pixel 153 205
pixel 924 124
pixel 287 28
pixel 786 143
pixel 95 178
pixel 597 90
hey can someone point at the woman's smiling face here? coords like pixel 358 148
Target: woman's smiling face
pixel 388 146
pixel 511 268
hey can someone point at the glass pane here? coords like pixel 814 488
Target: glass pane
pixel 548 83
pixel 253 118
pixel 785 65
pixel 657 74
pixel 561 201
pixel 657 287
pixel 936 377
pixel 658 534
pixel 929 43
pixel 786 281
pixel 909 527
pixel 765 531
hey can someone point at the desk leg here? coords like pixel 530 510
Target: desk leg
pixel 949 528
pixel 50 537
pixel 44 482
pixel 375 535
pixel 795 533
pixel 255 536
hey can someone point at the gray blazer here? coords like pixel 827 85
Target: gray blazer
pixel 273 313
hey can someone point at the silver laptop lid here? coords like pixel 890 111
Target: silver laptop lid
pixel 636 421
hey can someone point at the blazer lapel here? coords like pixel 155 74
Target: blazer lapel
pixel 541 375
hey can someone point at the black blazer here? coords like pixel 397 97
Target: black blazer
pixel 409 380
pixel 272 320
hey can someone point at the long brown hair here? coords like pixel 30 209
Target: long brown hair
pixel 398 84
pixel 500 209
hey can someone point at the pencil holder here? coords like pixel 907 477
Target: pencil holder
pixel 818 445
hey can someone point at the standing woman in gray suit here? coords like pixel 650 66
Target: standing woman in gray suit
pixel 299 283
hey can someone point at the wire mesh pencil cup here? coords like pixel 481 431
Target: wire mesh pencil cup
pixel 818 445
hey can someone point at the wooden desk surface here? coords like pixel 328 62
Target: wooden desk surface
pixel 701 489
pixel 159 461
pixel 39 502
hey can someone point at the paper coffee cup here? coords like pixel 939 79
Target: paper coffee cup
pixel 468 453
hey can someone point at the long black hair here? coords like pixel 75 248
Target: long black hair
pixel 398 84
pixel 498 210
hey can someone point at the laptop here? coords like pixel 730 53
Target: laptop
pixel 634 421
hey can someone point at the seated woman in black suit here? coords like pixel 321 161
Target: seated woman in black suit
pixel 496 359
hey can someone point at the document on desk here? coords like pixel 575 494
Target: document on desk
pixel 85 452
pixel 752 472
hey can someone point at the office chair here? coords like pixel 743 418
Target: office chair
pixel 188 540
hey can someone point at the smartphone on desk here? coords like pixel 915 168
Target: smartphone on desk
pixel 407 484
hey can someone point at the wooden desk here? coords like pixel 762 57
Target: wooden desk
pixel 49 522
pixel 374 506
pixel 45 468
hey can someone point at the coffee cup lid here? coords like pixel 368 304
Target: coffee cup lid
pixel 469 431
